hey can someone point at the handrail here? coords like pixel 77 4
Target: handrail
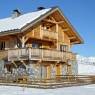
pixel 39 48
pixel 35 53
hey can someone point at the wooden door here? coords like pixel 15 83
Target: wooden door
pixel 58 71
pixel 48 76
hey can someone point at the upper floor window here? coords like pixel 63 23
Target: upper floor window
pixel 63 48
pixel 45 27
pixel 2 45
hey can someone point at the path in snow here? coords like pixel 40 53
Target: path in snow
pixel 80 90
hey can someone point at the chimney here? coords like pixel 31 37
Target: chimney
pixel 40 8
pixel 16 13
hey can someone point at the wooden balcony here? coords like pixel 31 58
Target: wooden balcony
pixel 49 35
pixel 39 54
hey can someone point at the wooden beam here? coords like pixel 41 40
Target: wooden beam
pixel 65 29
pixel 75 42
pixel 23 40
pixel 57 30
pixel 14 64
pixel 60 22
pixel 52 18
pixel 24 63
pixel 51 21
pixel 73 37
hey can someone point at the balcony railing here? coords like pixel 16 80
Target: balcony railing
pixel 39 54
pixel 48 34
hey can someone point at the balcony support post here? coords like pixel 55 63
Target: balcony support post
pixel 23 40
pixel 14 64
pixel 24 64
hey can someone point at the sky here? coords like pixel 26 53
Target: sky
pixel 81 13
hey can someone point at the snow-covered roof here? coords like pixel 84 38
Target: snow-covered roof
pixel 10 23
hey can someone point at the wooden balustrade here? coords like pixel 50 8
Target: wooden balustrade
pixel 39 54
pixel 18 54
pixel 49 34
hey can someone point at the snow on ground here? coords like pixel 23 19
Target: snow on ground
pixel 86 69
pixel 78 90
pixel 86 65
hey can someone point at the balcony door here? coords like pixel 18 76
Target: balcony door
pixel 58 71
pixel 42 72
pixel 63 48
pixel 45 71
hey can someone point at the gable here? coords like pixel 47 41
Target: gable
pixel 67 27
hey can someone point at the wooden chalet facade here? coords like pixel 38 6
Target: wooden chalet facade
pixel 38 42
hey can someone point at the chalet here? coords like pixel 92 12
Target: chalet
pixel 38 43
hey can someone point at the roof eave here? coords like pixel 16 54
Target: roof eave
pixel 9 32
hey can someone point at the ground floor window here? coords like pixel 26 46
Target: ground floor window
pixel 2 45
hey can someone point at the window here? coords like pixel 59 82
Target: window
pixel 19 44
pixel 2 45
pixel 36 45
pixel 63 47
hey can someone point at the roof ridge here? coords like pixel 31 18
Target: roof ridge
pixel 29 12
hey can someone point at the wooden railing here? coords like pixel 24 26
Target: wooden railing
pixel 49 34
pixel 39 54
